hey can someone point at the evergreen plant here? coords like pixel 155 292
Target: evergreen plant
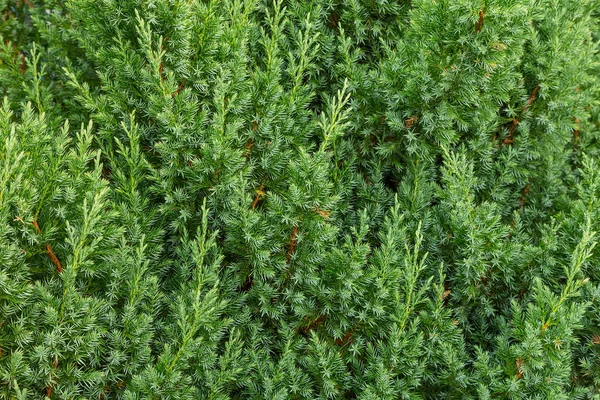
pixel 319 199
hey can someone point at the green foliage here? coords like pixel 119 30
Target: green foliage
pixel 298 200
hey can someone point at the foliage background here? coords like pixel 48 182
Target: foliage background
pixel 294 200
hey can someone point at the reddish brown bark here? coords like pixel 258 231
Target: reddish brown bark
pixel 480 22
pixel 292 243
pixel 259 196
pixel 49 250
pixel 313 325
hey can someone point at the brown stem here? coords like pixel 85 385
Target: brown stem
pixel 54 259
pixel 480 22
pixel 160 72
pixel 181 86
pixel 511 129
pixel 410 122
pixel 292 243
pixel 50 387
pixel 49 250
pixel 519 364
pixel 259 195
pixel 347 338
pixel 323 213
pixel 36 226
pixel 248 284
pixel 522 199
pixel 313 324
pixel 248 147
pixel 531 98
pixel 334 20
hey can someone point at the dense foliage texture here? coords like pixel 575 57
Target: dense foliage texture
pixel 321 199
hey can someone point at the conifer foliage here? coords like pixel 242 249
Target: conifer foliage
pixel 321 199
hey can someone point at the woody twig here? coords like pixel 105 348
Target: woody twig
pixel 49 250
